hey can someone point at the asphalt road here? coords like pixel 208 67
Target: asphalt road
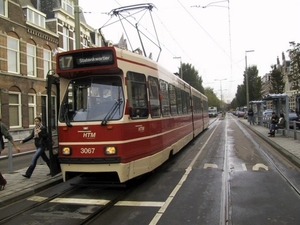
pixel 227 175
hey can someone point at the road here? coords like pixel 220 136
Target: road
pixel 227 175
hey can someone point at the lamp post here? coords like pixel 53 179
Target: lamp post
pixel 221 92
pixel 179 57
pixel 246 74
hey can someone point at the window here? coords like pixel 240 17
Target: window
pixel 14 109
pixel 137 91
pixel 31 60
pixel 165 105
pixel 154 97
pixel 47 62
pixel 31 108
pixel 65 36
pixel 35 17
pixel 179 101
pixel 13 59
pixel 172 97
pixel 3 7
pixel 68 5
pixel 185 102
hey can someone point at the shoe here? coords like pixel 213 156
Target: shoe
pixel 24 175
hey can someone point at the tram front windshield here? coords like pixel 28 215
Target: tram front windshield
pixel 93 98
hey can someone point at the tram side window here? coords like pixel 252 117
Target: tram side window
pixel 165 103
pixel 172 97
pixel 137 95
pixel 196 105
pixel 179 101
pixel 204 106
pixel 154 96
pixel 185 102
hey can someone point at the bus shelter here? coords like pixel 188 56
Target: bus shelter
pixel 280 104
pixel 258 108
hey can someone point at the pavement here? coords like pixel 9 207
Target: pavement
pixel 19 187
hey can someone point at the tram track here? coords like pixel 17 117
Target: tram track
pixel 38 204
pixel 56 200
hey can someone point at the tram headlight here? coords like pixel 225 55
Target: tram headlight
pixel 110 150
pixel 66 151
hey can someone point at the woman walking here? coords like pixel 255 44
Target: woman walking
pixel 39 134
pixel 4 132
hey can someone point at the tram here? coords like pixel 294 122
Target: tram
pixel 121 114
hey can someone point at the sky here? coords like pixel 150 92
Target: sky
pixel 212 36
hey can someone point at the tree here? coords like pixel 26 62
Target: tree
pixel 254 87
pixel 294 75
pixel 277 82
pixel 212 98
pixel 191 76
pixel 254 84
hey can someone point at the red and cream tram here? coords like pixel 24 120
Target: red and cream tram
pixel 122 114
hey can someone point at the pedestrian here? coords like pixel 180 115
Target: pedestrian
pixel 251 116
pixel 4 132
pixel 39 134
pixel 273 122
pixel 281 122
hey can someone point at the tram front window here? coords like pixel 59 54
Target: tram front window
pixel 93 98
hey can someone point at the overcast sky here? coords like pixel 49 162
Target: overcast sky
pixel 212 39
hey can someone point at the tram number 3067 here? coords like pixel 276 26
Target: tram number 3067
pixel 87 150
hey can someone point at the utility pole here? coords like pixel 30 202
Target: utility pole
pixel 179 57
pixel 222 108
pixel 77 24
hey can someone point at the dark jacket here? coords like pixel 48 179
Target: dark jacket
pixel 250 112
pixel 274 119
pixel 41 140
pixel 5 133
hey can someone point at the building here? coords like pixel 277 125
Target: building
pixel 31 33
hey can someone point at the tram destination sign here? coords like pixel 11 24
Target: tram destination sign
pixel 85 59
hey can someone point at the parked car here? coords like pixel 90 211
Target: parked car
pixel 294 117
pixel 240 113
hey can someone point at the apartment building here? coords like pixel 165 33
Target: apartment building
pixel 31 33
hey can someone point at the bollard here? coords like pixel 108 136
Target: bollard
pixel 9 152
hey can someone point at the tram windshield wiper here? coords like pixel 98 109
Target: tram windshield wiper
pixel 65 115
pixel 112 111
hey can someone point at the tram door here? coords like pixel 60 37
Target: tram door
pixel 50 114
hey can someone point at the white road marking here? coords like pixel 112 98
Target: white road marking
pixel 244 166
pixel 258 166
pixel 139 203
pixel 210 165
pixel 161 211
pixel 36 198
pixel 81 201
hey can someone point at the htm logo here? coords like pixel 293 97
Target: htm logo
pixel 89 135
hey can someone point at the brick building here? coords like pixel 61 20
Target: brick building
pixel 31 33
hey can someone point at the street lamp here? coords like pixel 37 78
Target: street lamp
pixel 221 92
pixel 179 57
pixel 247 86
